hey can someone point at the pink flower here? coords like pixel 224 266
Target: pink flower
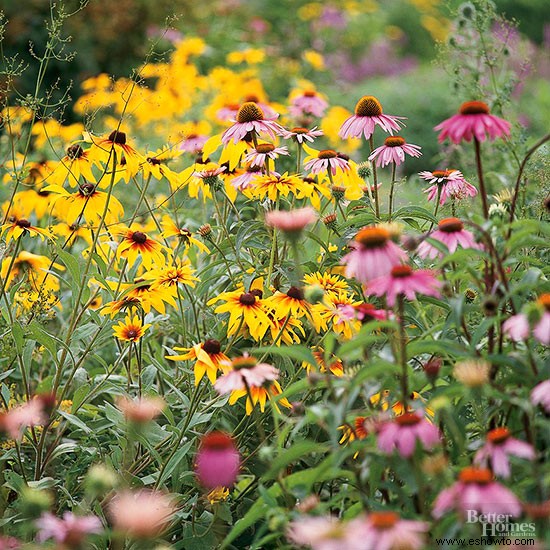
pixel 403 432
pixel 402 280
pixel 228 112
pixel 302 134
pixel 245 371
pixel 448 184
pixel 368 114
pixel 70 531
pixel 518 326
pixel 141 514
pixel 264 151
pixel 244 180
pixel 473 120
pixel 498 446
pixel 394 150
pixel 451 233
pixel 368 312
pixel 320 533
pixel 476 490
pixel 193 143
pixel 250 118
pixel 308 103
pixel 15 421
pixel 540 395
pixel 387 531
pixel 141 410
pixel 327 160
pixel 291 221
pixel 373 254
pixel 218 461
pixel 207 174
pixel 9 543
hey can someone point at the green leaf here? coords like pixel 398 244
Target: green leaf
pixel 75 421
pixel 292 454
pixel 297 352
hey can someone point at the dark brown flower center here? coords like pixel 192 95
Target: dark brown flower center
pixel 254 169
pixel 450 225
pixel 442 173
pixel 471 474
pixel 139 237
pixel 23 223
pixel 264 148
pixel 373 237
pixel 117 137
pixel 295 292
pixel 498 435
pixel 383 520
pixel 310 93
pixel 401 271
pixel 394 141
pixel 43 193
pixel 474 108
pixel 327 154
pixel 218 441
pixel 247 299
pixel 257 292
pixel 249 112
pixel 408 419
pixel 368 106
pixel 299 130
pixel 154 161
pixel 132 333
pixel 86 189
pixel 252 98
pixel 75 152
pixel 212 347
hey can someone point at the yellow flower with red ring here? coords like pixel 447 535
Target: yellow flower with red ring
pixel 131 329
pixel 136 243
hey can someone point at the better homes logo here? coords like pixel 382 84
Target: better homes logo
pixel 500 525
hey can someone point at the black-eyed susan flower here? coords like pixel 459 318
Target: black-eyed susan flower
pixel 16 225
pixel 71 232
pixel 136 243
pixel 36 269
pixel 293 303
pixel 287 330
pixel 338 309
pixel 330 282
pixel 131 329
pixel 276 185
pixel 75 165
pixel 181 273
pixel 142 293
pixel 246 310
pixel 208 357
pixel 324 363
pixel 117 141
pixel 171 229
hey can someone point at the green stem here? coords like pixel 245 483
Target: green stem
pixel 392 185
pixel 375 179
pixel 482 190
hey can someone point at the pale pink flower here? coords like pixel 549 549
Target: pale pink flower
pixel 141 514
pixel 394 150
pixel 218 461
pixel 308 103
pixel 476 490
pixel 451 233
pixel 368 114
pixel 250 118
pixel 212 173
pixel 321 533
pixel 403 281
pixel 518 326
pixel 473 120
pixel 70 531
pixel 373 254
pixel 302 134
pixel 291 221
pixel 498 446
pixel 327 160
pixel 385 530
pixel 244 180
pixel 245 371
pixel 9 543
pixel 193 143
pixel 141 410
pixel 14 421
pixel 448 184
pixel 540 395
pixel 228 112
pixel 264 151
pixel 368 312
pixel 403 432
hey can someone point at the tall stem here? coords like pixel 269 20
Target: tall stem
pixel 403 351
pixel 394 166
pixel 482 190
pixel 375 179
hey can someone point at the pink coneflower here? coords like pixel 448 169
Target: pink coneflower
pixel 394 150
pixel 14 421
pixel 403 281
pixel 402 433
pixel 218 461
pixel 540 395
pixel 368 312
pixel 387 531
pixel 246 371
pixel 250 118
pixel 141 410
pixel 291 222
pixel 320 533
pixel 451 233
pixel 327 160
pixel 69 531
pixel 373 254
pixel 193 143
pixel 498 446
pixel 228 112
pixel 264 151
pixel 447 184
pixel 244 180
pixel 9 543
pixel 209 174
pixel 476 490
pixel 308 103
pixel 141 514
pixel 518 326
pixel 368 114
pixel 473 120
pixel 302 134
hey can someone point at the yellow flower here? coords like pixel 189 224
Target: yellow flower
pixel 141 293
pixel 331 283
pixel 331 124
pixel 171 275
pixel 293 303
pixel 76 164
pixel 260 395
pixel 16 225
pixel 116 142
pixel 315 59
pixel 335 366
pixel 171 229
pixel 131 329
pixel 218 494
pixel 252 56
pixel 273 186
pixel 137 242
pixel 37 270
pixel 338 309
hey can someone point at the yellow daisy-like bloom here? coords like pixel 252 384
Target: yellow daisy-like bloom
pixel 260 395
pixel 36 268
pixel 331 124
pixel 16 225
pixel 331 283
pixel 141 293
pixel 76 164
pixel 172 275
pixel 218 494
pixel 339 310
pixel 117 141
pixel 38 201
pixel 171 229
pixel 137 243
pixel 335 365
pixel 208 357
pixel 246 309
pixel 293 303
pixel 382 400
pixel 285 330
pixel 113 307
pixel 131 329
pixel 72 232
pixel 274 186
pixel 155 166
